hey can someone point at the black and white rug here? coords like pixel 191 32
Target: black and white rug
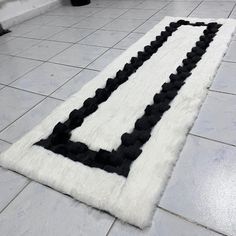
pixel 113 144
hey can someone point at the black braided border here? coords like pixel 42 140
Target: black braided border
pixel 119 161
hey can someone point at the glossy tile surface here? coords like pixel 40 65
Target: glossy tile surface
pixel 79 55
pixel 202 187
pixel 128 40
pixel 11 184
pixel 217 118
pixel 93 22
pixel 225 78
pixel 55 214
pixel 21 67
pixel 17 45
pixel 28 121
pixel 71 35
pixel 231 53
pixel 110 12
pixel 44 50
pixel 164 224
pixel 46 78
pixel 138 14
pixel 43 32
pixel 123 24
pixel 104 38
pixel 105 59
pixel 147 25
pixel 75 84
pixel 14 103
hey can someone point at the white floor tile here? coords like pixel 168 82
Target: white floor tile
pixel 17 45
pixel 123 24
pixel 104 38
pixel 21 29
pixel 231 52
pixel 128 41
pixel 46 78
pixel 74 11
pixel 14 67
pixel 124 4
pixel 157 5
pixel 29 120
pixel 39 20
pixel 93 22
pixel 5 38
pixel 225 78
pixel 44 50
pixel 164 224
pixel 39 210
pixel 213 9
pixel 147 25
pixel 10 185
pixel 75 84
pixel 176 9
pixel 71 35
pixel 105 59
pixel 79 55
pixel 217 118
pixel 110 12
pixel 202 186
pixel 43 32
pixel 100 4
pixel 4 58
pixel 233 14
pixel 65 21
pixel 14 103
pixel 138 14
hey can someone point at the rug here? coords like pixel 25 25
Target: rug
pixel 113 144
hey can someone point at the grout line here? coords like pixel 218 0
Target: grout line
pixel 191 221
pixel 2 86
pixel 217 91
pixel 213 140
pixel 133 31
pixel 22 115
pixel 5 141
pixel 45 97
pixel 25 72
pixel 71 26
pixel 36 93
pixel 59 99
pixel 233 62
pixel 109 230
pixel 232 10
pixel 23 188
pixel 79 67
pixel 195 8
pixel 25 90
pixel 52 62
pixel 90 45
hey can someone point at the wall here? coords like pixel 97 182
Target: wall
pixel 16 11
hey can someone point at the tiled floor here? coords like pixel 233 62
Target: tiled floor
pixel 48 58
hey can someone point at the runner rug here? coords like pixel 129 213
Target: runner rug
pixel 113 144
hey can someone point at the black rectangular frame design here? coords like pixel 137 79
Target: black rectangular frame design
pixel 119 161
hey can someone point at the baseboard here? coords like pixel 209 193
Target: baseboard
pixel 30 14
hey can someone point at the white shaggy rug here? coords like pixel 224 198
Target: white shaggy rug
pixel 113 145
